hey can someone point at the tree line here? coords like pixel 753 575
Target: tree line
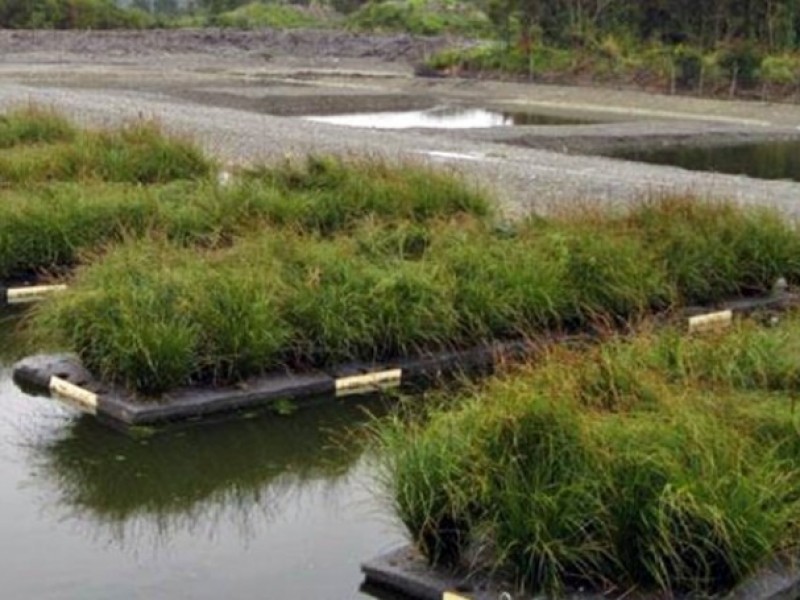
pixel 703 23
pixel 68 14
pixel 770 24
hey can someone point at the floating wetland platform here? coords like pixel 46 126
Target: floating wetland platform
pixel 65 378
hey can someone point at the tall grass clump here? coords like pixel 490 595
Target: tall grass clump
pixel 163 319
pixel 713 249
pixel 597 468
pixel 378 281
pixel 327 193
pixel 345 306
pixel 48 226
pixel 137 153
pixel 34 125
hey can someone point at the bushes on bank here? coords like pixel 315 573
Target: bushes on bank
pixel 725 70
pixel 261 14
pixel 70 14
pixel 422 17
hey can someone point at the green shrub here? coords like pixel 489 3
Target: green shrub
pixel 261 14
pixel 780 70
pixel 741 62
pixel 421 17
pixel 688 67
pixel 70 14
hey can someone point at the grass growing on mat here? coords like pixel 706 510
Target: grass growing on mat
pixel 643 464
pixel 34 125
pixel 49 226
pixel 137 153
pixel 154 314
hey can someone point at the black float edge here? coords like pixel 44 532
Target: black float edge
pixel 404 573
pixel 193 403
pixel 119 405
pixel 34 373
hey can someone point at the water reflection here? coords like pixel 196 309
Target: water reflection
pixel 240 472
pixel 444 117
pixel 767 160
pixel 266 506
pixel 11 343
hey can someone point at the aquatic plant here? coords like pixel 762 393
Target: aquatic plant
pixel 34 125
pixel 47 227
pixel 136 153
pixel 608 467
pixel 376 288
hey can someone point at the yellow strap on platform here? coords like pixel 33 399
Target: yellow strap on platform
pixel 368 382
pixel 84 399
pixel 715 321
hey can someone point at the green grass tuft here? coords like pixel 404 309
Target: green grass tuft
pixel 372 280
pixel 137 153
pixel 34 125
pixel 601 467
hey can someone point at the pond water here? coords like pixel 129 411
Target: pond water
pixel 766 160
pixel 260 507
pixel 443 117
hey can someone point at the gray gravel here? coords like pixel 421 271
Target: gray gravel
pixel 94 88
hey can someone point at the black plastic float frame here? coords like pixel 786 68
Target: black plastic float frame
pixel 64 377
pixel 404 573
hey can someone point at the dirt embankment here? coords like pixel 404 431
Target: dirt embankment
pixel 264 42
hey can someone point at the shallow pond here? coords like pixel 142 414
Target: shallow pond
pixel 260 507
pixel 443 117
pixel 766 160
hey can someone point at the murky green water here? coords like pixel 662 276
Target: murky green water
pixel 773 160
pixel 265 507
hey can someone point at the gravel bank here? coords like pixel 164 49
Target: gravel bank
pixel 97 87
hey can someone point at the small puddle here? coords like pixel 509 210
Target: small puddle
pixel 763 160
pixel 444 117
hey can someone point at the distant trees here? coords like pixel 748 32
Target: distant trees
pixel 67 14
pixel 161 7
pixel 774 23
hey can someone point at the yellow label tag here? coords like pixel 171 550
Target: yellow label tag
pixel 453 596
pixel 32 293
pixel 358 384
pixel 83 399
pixel 711 321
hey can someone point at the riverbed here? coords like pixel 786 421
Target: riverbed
pixel 243 96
